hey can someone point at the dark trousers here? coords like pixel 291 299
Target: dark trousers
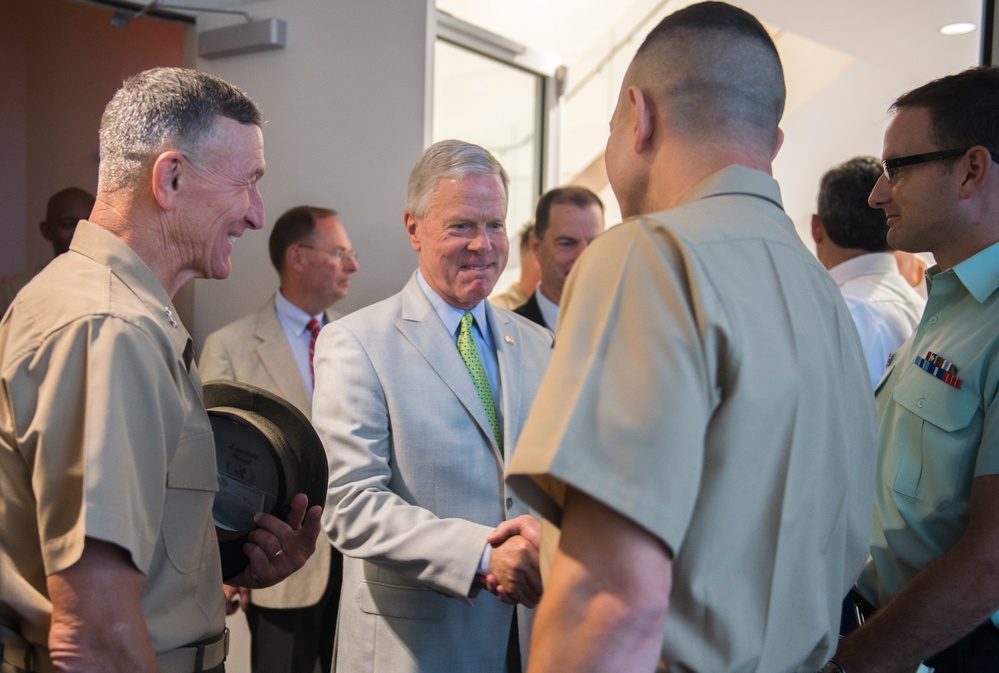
pixel 292 641
pixel 977 652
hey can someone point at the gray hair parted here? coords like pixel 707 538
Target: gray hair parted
pixel 453 160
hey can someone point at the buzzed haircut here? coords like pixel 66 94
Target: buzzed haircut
pixel 964 108
pixel 714 67
pixel 296 225
pixel 849 220
pixel 572 195
pixel 159 109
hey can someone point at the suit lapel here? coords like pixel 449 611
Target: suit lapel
pixel 506 337
pixel 276 358
pixel 419 324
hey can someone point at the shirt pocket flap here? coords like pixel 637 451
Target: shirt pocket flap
pixel 934 401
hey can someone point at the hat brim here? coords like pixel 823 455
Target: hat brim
pixel 267 451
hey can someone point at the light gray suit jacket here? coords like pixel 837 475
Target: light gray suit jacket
pixel 255 350
pixel 416 483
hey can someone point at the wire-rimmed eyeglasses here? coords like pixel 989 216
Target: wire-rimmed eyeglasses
pixel 341 254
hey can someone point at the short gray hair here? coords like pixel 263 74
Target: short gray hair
pixel 453 160
pixel 159 109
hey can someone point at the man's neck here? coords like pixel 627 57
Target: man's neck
pixel 673 178
pixel 550 295
pixel 832 256
pixel 302 301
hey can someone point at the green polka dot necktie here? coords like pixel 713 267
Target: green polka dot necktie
pixel 470 354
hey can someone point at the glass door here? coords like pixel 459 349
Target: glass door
pixel 507 98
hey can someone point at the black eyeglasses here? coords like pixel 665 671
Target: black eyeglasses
pixel 891 166
pixel 342 254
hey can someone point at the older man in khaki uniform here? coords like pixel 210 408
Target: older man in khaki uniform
pixel 107 460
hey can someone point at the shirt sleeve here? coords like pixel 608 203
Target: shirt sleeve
pixel 101 457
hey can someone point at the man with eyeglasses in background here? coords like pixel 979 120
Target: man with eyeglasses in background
pixel 292 623
pixel 932 581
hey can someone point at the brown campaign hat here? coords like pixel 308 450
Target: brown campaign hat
pixel 267 451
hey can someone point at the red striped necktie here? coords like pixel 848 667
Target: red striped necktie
pixel 313 327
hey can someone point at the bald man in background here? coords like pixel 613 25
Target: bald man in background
pixel 64 210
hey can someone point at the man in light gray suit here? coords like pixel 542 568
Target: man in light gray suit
pixel 291 623
pixel 419 402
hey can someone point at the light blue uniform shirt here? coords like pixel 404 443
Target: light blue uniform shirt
pixel 935 438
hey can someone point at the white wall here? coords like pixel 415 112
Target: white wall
pixel 344 105
pixel 60 63
pixel 844 120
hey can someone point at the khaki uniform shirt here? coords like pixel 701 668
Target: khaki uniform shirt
pixel 510 298
pixel 935 437
pixel 11 285
pixel 709 384
pixel 103 434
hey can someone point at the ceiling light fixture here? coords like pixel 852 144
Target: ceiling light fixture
pixel 960 28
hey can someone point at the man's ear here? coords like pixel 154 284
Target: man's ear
pixel 818 229
pixel 977 166
pixel 168 176
pixel 645 118
pixel 534 242
pixel 412 229
pixel 778 143
pixel 46 230
pixel 293 257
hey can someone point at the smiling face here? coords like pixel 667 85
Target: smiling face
pixel 571 229
pixel 462 239
pixel 920 201
pixel 223 200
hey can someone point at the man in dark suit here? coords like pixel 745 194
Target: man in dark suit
pixel 291 623
pixel 567 219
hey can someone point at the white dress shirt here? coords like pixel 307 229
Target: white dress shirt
pixel 883 305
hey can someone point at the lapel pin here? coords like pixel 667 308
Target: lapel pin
pixel 509 340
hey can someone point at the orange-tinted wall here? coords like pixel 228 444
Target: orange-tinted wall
pixel 60 63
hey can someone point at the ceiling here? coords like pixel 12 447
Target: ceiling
pixel 898 34
pixel 853 53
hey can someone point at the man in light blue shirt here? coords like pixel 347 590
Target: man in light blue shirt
pixel 932 573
